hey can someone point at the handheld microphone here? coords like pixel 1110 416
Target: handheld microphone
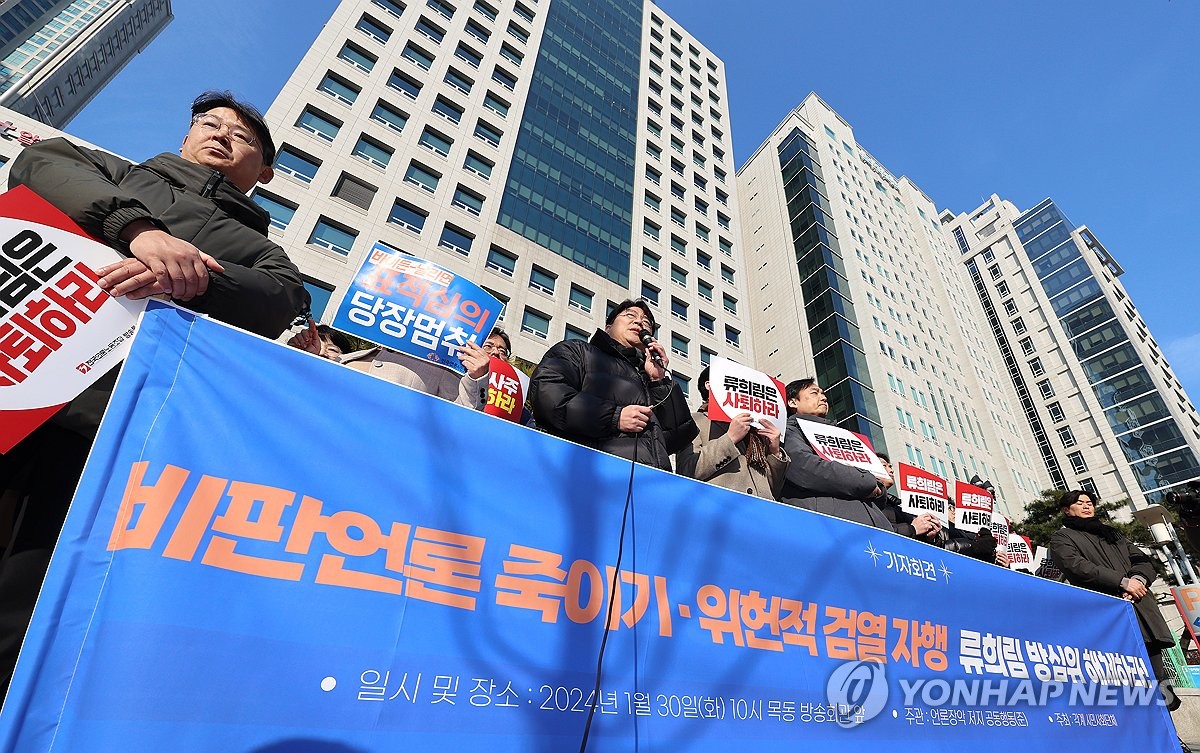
pixel 647 339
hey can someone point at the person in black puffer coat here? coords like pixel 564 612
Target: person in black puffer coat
pixel 609 393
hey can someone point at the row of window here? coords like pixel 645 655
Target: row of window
pixel 537 324
pixel 381 32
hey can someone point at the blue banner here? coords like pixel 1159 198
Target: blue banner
pixel 271 552
pixel 416 307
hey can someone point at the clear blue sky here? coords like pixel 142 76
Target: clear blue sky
pixel 1092 102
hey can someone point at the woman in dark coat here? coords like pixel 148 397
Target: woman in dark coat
pixel 1097 557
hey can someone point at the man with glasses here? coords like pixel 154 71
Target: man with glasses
pixel 614 392
pixel 186 230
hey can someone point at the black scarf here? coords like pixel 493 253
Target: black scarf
pixel 1092 526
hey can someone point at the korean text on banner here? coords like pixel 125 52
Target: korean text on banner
pixel 218 587
pixel 840 445
pixel 416 307
pixel 735 389
pixel 922 492
pixel 973 507
pixel 59 331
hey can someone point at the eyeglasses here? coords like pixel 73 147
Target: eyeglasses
pixel 634 317
pixel 236 132
pixel 495 350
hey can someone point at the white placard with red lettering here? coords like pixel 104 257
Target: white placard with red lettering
pixel 972 507
pixel 999 526
pixel 840 445
pixel 1020 553
pixel 922 492
pixel 734 389
pixel 59 332
pixel 507 388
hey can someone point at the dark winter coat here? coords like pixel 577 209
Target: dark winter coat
pixel 1089 561
pixel 579 388
pixel 814 483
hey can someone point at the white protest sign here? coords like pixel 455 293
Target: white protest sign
pixel 839 445
pixel 922 492
pixel 735 389
pixel 59 331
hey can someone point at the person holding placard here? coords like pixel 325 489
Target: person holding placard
pixel 733 455
pixel 925 527
pixel 188 231
pixel 819 484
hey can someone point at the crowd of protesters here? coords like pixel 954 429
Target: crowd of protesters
pixel 187 230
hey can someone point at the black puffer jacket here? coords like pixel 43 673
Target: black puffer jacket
pixel 260 289
pixel 579 388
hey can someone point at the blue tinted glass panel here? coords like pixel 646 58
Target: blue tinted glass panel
pixel 320 298
pixel 570 186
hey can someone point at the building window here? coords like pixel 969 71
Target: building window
pixel 404 84
pixel 1026 344
pixel 354 191
pixel 650 293
pixel 447 110
pixel 650 260
pixel 319 293
pixel 1066 436
pixel 446 10
pixel 540 279
pixel 485 10
pixel 339 89
pixel 504 78
pixel 678 245
pixel 679 309
pixel 322 127
pixel 679 345
pixel 459 81
pixel 330 235
pixel 295 164
pixel 468 200
pixel 421 177
pixel 727 274
pixel 730 303
pixel 706 355
pixel 496 105
pixel 468 56
pixel 652 201
pixel 407 216
pixel 357 57
pixel 1010 307
pixel 1045 388
pixel 1002 289
pixel 511 55
pixel 574 333
pixel 994 271
pixel 708 323
pixel 430 31
pixel 580 299
pixel 373 29
pixel 280 211
pixel 732 336
pixel 417 56
pixel 435 142
pixel 488 134
pixel 1078 464
pixel 1056 412
pixel 478 31
pixel 1018 326
pixel 455 240
pixel 501 261
pixel 726 246
pixel 705 289
pixel 478 165
pixel 535 323
pixel 389 116
pixel 1036 368
pixel 393 7
pixel 650 230
pixel 372 151
pixel 679 276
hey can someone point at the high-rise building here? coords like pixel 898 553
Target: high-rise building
pixel 55 55
pixel 854 279
pixel 1109 414
pixel 563 154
